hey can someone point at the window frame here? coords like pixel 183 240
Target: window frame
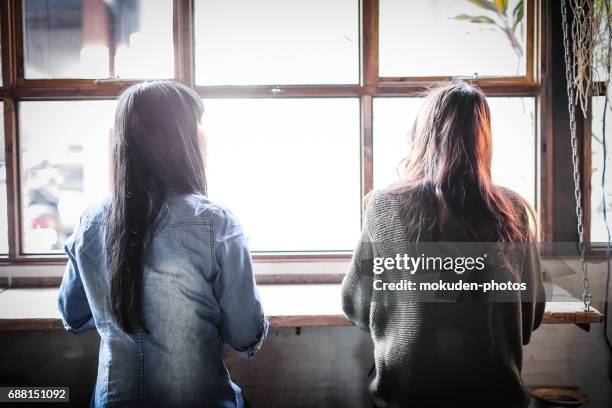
pixel 16 89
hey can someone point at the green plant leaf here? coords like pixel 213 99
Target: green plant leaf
pixel 518 13
pixel 487 5
pixel 502 5
pixel 474 19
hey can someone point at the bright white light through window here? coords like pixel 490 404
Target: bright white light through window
pixel 276 42
pixel 288 169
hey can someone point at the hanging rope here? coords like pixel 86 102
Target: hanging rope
pixel 583 47
pixel 571 102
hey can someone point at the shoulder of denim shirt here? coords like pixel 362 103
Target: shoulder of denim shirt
pixel 95 213
pixel 196 209
pixel 177 210
pixel 90 220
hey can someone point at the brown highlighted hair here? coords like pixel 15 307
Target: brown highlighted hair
pixel 446 186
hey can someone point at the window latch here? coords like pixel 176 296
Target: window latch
pixel 108 81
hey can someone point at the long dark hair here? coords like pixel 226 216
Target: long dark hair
pixel 155 153
pixel 447 184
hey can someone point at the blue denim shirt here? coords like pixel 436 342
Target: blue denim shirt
pixel 199 294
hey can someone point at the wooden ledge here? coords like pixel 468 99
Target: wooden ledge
pixel 286 306
pixel 570 312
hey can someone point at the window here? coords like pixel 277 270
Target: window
pixel 599 232
pixel 308 104
pixel 3 197
pixel 513 126
pixel 276 42
pixel 288 168
pixel 98 39
pixel 429 38
pixel 65 165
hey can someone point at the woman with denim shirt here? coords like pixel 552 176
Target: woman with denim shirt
pixel 161 272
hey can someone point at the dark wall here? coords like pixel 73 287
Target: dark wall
pixel 50 358
pixel 314 367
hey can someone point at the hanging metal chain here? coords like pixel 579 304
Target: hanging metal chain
pixel 586 295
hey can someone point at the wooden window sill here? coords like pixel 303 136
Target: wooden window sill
pixel 286 306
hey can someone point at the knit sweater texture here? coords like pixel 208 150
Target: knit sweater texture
pixel 436 352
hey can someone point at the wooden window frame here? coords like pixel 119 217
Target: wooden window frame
pixel 17 89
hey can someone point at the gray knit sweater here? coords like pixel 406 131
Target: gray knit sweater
pixel 432 352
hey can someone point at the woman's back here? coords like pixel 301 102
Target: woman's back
pixel 437 347
pixel 198 293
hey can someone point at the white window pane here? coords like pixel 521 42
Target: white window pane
pixel 513 127
pixel 80 38
pixel 288 169
pixel 65 166
pixel 514 144
pixel 3 197
pixel 450 38
pixel 599 233
pixel 276 42
pixel 393 120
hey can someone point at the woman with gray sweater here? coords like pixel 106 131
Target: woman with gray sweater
pixel 437 345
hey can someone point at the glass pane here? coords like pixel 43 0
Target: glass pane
pixel 3 197
pixel 288 169
pixel 451 38
pixel 91 38
pixel 393 120
pixel 276 42
pixel 513 126
pixel 599 233
pixel 65 166
pixel 1 79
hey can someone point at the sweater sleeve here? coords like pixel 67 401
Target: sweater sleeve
pixel 532 306
pixel 533 299
pixel 357 284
